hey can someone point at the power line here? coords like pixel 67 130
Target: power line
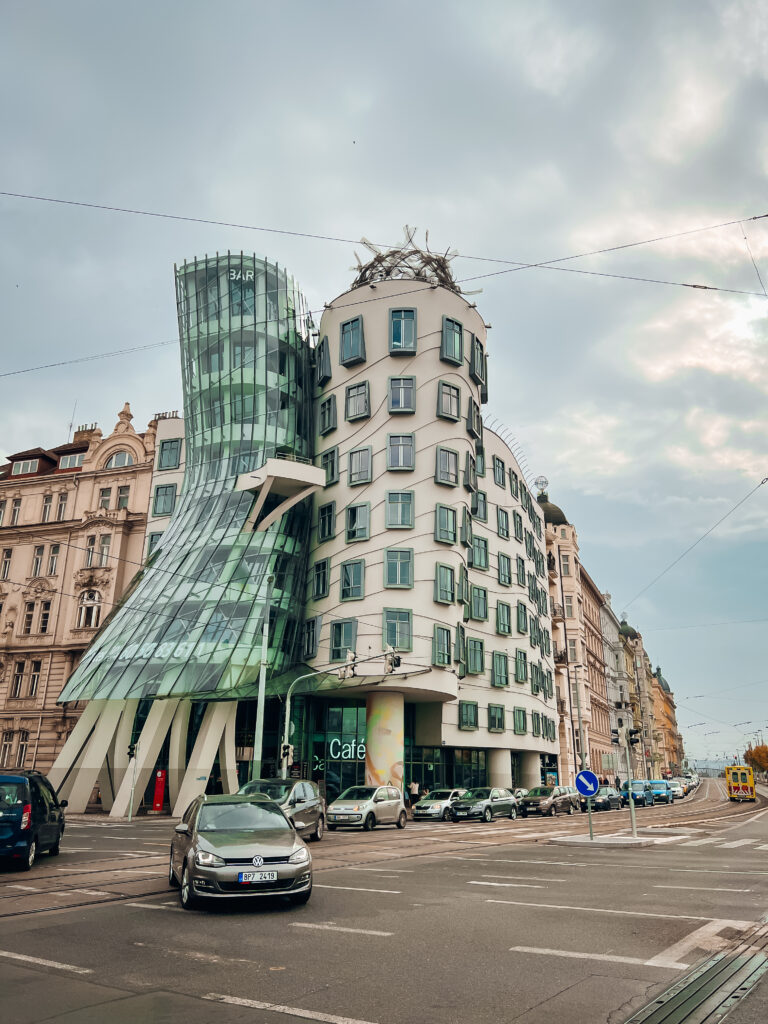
pixel 88 359
pixel 704 625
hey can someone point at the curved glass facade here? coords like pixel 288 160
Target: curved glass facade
pixel 191 623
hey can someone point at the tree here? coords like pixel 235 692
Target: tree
pixel 757 757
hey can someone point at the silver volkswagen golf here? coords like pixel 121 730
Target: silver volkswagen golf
pixel 234 846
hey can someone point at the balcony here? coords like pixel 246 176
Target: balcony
pixel 558 613
pixel 562 708
pixel 560 655
pixel 285 481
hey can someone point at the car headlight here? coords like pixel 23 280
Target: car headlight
pixel 203 859
pixel 477 807
pixel 300 856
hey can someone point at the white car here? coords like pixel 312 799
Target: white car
pixel 366 807
pixel 677 788
pixel 437 804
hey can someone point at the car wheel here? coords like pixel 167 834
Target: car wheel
pixel 317 835
pixel 446 815
pixel 187 897
pixel 402 819
pixel 173 882
pixel 55 850
pixel 487 814
pixel 552 811
pixel 31 856
pixel 570 808
pixel 513 814
pixel 523 813
pixel 301 897
pixel 369 823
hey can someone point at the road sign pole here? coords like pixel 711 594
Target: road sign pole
pixel 628 751
pixel 587 784
pixel 589 814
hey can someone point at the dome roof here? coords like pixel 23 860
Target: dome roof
pixel 662 681
pixel 626 630
pixel 553 514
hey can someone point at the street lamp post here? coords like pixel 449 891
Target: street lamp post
pixel 258 732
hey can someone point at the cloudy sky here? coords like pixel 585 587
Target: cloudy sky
pixel 517 131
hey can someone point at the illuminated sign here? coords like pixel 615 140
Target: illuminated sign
pixel 241 275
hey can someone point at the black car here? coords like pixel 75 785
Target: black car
pixel 31 817
pixel 605 799
pixel 485 804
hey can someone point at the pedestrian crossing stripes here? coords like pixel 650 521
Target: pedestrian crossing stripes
pixel 716 842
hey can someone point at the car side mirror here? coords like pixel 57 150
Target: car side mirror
pixel 63 803
pixel 182 829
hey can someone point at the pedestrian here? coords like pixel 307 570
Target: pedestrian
pixel 414 791
pixel 617 783
pixel 605 782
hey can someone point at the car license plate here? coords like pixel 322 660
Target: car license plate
pixel 342 817
pixel 257 876
pixel 461 814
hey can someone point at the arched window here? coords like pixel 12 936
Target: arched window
pixel 118 460
pixel 89 610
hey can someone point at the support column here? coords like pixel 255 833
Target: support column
pixel 94 756
pixel 177 753
pixel 530 762
pixel 148 748
pixel 74 746
pixel 208 741
pixel 117 760
pixel 500 768
pixel 384 739
pixel 227 759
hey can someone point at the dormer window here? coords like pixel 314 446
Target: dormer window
pixel 27 466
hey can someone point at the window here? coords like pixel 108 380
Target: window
pixel 90 550
pixel 502 522
pixel 352 342
pixel 495 718
pixel 503 618
pixel 123 494
pixel 321 572
pixel 401 451
pixel 326 521
pixel 398 567
pixel 477 362
pixel 18 678
pixel 322 363
pixel 23 747
pixel 475 657
pixel 2 511
pixel 165 500
pixel 352 580
pixel 53 559
pixel 474 419
pixel 104 542
pixel 573 653
pixel 89 610
pixel 402 394
pixel 343 638
pixel 328 415
pixel 358 522
pixel 45 616
pixel 359 466
pixel 310 637
pixel 452 343
pixel 61 508
pixel 480 458
pixel 470 472
pixel 568 606
pixel 169 455
pixel 47 506
pixel 71 461
pixel 37 560
pixel 565 564
pixel 447 467
pixel 118 460
pixel 522 618
pixel 521 570
pixel 153 539
pixel 29 614
pixel 105 496
pixel 478 603
pixel 402 331
pixel 329 461
pixel 513 483
pixel 499 474
pixel 480 505
pixel 500 672
pixel 448 401
pixel 467 714
pixel 357 404
pixel 5 565
pixel 521 667
pixel 15 511
pixel 397 629
pixel 505 570
pixel 27 466
pixel 445 584
pixel 399 511
pixel 536 723
pixel 441 646
pixel 521 721
pixel 445 524
pixel 480 552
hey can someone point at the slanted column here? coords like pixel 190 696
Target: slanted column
pixel 500 768
pixel 530 763
pixel 384 739
pixel 148 748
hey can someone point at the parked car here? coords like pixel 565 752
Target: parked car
pixel 549 800
pixel 232 846
pixel 367 806
pixel 485 803
pixel 661 791
pixel 642 794
pixel 519 794
pixel 31 817
pixel 300 800
pixel 605 799
pixel 678 789
pixel 437 804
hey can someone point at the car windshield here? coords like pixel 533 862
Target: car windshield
pixel 659 782
pixel 274 789
pixel 12 793
pixel 358 793
pixel 477 794
pixel 603 791
pixel 241 817
pixel 439 794
pixel 540 791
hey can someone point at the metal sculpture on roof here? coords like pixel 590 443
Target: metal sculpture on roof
pixel 408 262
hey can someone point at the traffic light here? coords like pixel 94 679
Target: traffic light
pixel 131 750
pixel 391 660
pixel 348 669
pixel 286 753
pixel 634 736
pixel 615 738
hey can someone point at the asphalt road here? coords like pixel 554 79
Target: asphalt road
pixel 438 923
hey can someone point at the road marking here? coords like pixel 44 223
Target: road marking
pixel 31 888
pixel 400 871
pixel 509 885
pixel 83 892
pixel 45 963
pixel 702 842
pixel 530 878
pixel 699 888
pixel 765 847
pixel 637 961
pixel 153 906
pixel 506 860
pixel 352 888
pixel 738 842
pixel 707 937
pixel 291 1011
pixel 601 910
pixel 337 928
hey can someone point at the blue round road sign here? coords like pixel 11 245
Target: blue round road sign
pixel 587 783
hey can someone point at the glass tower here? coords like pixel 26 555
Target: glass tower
pixel 191 622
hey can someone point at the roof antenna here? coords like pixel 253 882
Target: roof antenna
pixel 71 422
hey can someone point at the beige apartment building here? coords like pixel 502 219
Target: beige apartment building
pixel 667 738
pixel 72 524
